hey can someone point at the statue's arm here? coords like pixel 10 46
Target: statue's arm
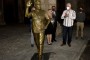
pixel 27 14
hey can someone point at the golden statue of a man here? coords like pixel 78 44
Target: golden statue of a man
pixel 38 25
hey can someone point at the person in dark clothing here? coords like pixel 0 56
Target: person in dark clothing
pixel 49 29
pixel 54 22
pixel 80 23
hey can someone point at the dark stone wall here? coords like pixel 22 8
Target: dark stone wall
pixel 13 10
pixel 87 11
pixel 21 10
pixel 1 13
pixel 60 7
pixel 10 9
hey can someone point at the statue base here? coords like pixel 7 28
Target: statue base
pixel 44 57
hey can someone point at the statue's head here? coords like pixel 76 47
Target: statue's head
pixel 37 4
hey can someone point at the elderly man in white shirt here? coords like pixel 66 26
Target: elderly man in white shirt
pixel 69 16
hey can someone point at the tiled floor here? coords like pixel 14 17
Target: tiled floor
pixel 15 45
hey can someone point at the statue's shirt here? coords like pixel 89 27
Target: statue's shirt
pixel 38 19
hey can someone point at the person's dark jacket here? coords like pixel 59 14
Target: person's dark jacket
pixel 80 17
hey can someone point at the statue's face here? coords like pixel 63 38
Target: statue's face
pixel 37 5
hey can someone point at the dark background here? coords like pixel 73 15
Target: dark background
pixel 10 11
pixel 13 10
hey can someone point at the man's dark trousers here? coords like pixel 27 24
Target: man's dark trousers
pixel 67 35
pixel 54 31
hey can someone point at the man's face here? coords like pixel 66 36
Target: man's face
pixel 53 8
pixel 68 6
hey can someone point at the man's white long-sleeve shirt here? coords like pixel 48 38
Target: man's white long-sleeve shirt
pixel 69 20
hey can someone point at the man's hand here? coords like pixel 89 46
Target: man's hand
pixel 66 15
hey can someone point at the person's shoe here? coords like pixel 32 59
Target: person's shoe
pixel 55 40
pixel 52 41
pixel 32 45
pixel 76 37
pixel 82 38
pixel 63 44
pixel 50 44
pixel 69 45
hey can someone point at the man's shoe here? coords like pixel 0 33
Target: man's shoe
pixel 69 45
pixel 55 40
pixel 63 44
pixel 32 45
pixel 76 37
pixel 52 40
pixel 82 38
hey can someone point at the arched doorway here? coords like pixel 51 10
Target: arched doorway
pixel 87 11
pixel 60 7
pixel 10 11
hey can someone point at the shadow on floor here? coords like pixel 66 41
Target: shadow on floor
pixel 45 56
pixel 86 54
